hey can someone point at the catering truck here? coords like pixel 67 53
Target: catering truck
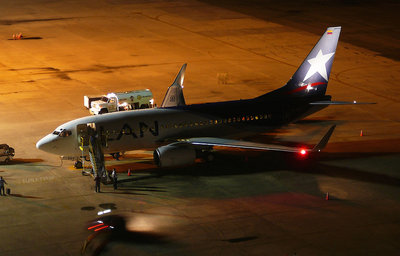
pixel 119 101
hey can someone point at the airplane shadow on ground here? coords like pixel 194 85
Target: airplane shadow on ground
pixel 29 161
pixel 25 161
pixel 258 162
pixel 126 187
pixel 127 191
pixel 312 165
pixel 141 188
pixel 23 196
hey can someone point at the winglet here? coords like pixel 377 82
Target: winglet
pixel 174 96
pixel 321 145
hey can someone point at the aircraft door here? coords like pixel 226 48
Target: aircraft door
pixel 84 131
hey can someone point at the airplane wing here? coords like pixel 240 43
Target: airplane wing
pixel 209 141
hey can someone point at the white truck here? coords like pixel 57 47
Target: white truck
pixel 119 101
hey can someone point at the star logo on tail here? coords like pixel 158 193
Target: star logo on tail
pixel 318 65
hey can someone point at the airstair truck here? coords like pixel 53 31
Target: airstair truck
pixel 119 101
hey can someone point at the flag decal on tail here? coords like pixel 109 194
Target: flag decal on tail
pixel 318 65
pixel 329 32
pixel 307 87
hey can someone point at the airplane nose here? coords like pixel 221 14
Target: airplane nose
pixel 43 144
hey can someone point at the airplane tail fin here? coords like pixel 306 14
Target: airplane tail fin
pixel 311 78
pixel 174 96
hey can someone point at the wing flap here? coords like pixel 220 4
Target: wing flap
pixel 209 141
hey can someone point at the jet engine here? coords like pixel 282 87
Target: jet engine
pixel 174 155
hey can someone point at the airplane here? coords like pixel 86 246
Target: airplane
pixel 179 133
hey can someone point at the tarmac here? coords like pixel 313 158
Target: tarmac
pixel 243 203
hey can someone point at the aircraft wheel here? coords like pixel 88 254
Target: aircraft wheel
pixel 78 165
pixel 210 157
pixel 116 156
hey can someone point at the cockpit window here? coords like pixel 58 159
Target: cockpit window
pixel 56 132
pixel 65 133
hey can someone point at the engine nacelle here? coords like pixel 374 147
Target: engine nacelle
pixel 174 155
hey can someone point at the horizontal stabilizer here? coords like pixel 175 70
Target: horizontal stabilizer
pixel 328 102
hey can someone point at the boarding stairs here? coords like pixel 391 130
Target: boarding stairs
pixel 91 144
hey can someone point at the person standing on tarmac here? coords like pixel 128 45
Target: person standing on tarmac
pixel 115 178
pixel 97 183
pixel 2 182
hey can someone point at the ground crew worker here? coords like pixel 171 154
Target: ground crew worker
pixel 115 178
pixel 97 183
pixel 2 182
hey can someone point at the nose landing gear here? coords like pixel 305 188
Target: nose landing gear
pixel 78 164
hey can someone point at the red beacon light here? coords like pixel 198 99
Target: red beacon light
pixel 303 152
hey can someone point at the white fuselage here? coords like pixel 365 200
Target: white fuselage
pixel 140 129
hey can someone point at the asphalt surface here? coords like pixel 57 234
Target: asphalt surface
pixel 243 203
